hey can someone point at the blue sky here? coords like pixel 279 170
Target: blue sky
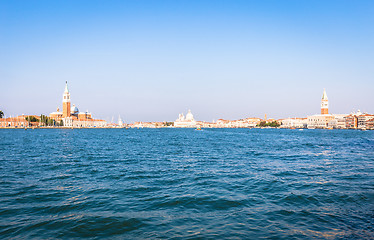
pixel 150 60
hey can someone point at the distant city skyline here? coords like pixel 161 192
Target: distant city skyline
pixel 150 61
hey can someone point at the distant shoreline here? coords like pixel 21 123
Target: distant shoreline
pixel 127 128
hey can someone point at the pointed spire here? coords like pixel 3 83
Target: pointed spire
pixel 324 96
pixel 66 87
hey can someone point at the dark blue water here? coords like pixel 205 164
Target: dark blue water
pixel 186 184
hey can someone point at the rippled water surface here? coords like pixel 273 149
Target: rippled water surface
pixel 186 184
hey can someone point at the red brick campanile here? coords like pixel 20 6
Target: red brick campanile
pixel 66 102
pixel 324 103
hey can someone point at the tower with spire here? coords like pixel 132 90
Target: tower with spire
pixel 66 102
pixel 324 103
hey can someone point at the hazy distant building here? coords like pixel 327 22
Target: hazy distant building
pixel 241 123
pixel 294 123
pixel 185 122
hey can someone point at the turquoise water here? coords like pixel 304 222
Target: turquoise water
pixel 186 184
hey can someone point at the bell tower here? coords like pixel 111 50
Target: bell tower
pixel 324 103
pixel 66 102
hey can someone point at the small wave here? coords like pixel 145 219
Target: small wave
pixel 76 226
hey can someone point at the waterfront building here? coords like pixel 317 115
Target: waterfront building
pixel 14 122
pixel 241 123
pixel 247 122
pixel 238 123
pixel 185 122
pixel 338 122
pixel 148 125
pixel 21 121
pixel 222 123
pixel 252 121
pixel 322 120
pixel 294 123
pixel 204 124
pixel 351 120
pixel 327 120
pixel 370 124
pixel 363 120
pixel 358 120
pixel 72 117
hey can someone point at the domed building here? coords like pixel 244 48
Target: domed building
pixel 74 110
pixel 189 116
pixel 185 122
pixel 71 116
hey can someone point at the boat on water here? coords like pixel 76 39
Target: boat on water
pixel 198 128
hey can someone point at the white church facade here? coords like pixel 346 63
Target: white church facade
pixel 185 122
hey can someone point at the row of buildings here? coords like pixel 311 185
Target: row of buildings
pixel 71 117
pixel 325 120
pixel 356 120
pixel 15 122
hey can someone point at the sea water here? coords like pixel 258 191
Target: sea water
pixel 186 184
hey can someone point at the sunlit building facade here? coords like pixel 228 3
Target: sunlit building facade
pixel 323 120
pixel 185 122
pixel 72 117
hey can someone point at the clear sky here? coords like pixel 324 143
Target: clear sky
pixel 151 60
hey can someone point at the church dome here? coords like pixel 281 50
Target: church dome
pixel 74 109
pixel 189 116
